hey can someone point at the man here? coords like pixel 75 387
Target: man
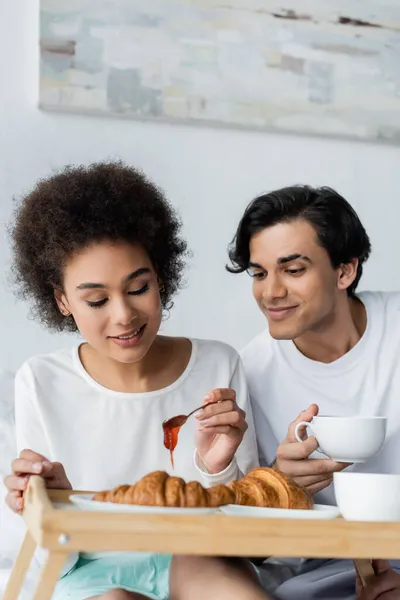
pixel 326 348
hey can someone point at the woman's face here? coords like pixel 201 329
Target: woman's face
pixel 112 291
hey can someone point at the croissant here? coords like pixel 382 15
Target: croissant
pixel 261 487
pixel 270 488
pixel 159 489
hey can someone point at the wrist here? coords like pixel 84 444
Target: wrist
pixel 230 473
pixel 211 466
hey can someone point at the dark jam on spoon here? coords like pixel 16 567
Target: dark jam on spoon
pixel 171 431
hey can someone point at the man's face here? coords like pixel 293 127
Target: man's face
pixel 294 282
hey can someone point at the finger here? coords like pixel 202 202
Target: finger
pixel 305 415
pixel 309 467
pixel 15 501
pixel 217 408
pixel 317 487
pixel 13 483
pixel 233 418
pixel 32 456
pixel 220 394
pixel 224 429
pixel 306 482
pixel 214 409
pixel 380 566
pixel 21 465
pixel 381 584
pixel 319 466
pixel 297 450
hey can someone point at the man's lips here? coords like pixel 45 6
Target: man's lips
pixel 279 308
pixel 276 313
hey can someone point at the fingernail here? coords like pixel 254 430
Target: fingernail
pixel 208 397
pixel 19 504
pixel 37 467
pixel 205 421
pixel 200 414
pixel 47 464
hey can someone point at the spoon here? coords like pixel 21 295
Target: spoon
pixel 171 429
pixel 180 420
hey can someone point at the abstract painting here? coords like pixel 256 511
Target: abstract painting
pixel 327 67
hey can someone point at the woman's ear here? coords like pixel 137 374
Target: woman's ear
pixel 161 286
pixel 62 302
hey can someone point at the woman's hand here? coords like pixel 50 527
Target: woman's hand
pixel 220 429
pixel 30 463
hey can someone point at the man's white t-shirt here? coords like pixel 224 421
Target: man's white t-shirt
pixel 364 382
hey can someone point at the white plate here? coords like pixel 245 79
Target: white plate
pixel 319 511
pixel 85 502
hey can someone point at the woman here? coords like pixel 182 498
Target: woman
pixel 98 250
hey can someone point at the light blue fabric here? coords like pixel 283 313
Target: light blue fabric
pixel 140 572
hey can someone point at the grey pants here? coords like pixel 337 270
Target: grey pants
pixel 314 579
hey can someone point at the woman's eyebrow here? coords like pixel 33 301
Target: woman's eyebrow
pixel 94 286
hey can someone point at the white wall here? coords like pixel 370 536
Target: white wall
pixel 210 175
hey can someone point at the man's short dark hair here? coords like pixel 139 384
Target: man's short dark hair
pixel 338 227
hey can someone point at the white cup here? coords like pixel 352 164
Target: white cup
pixel 367 496
pixel 347 439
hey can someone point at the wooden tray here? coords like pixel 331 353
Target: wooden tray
pixel 62 530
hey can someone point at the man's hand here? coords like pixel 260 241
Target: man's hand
pixel 292 457
pixel 385 585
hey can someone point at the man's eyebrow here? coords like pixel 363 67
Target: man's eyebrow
pixel 287 259
pixel 283 260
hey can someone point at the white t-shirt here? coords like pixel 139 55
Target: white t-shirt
pixel 365 381
pixel 106 438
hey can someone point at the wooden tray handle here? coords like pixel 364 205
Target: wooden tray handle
pixel 364 569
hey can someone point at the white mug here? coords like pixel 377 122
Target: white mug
pixel 347 439
pixel 367 496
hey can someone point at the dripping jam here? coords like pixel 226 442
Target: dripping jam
pixel 171 431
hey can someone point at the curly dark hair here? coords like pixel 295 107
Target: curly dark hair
pixel 84 204
pixel 335 221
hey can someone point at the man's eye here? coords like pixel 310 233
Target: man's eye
pixel 295 271
pixel 256 274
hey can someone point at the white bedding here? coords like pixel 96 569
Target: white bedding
pixel 12 527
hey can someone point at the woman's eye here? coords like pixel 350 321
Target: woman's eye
pixel 97 304
pixel 141 291
pixel 102 302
